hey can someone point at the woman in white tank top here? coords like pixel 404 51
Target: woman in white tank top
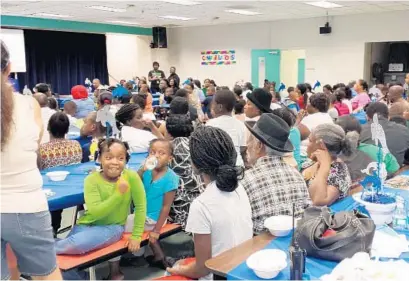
pixel 21 181
pixel 25 220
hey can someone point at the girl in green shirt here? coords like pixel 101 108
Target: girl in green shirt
pixel 108 195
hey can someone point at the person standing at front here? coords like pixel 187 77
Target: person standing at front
pixel 174 76
pixel 154 77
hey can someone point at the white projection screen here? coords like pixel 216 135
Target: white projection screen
pixel 14 39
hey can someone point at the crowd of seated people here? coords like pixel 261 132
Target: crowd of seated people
pixel 257 153
pixel 397 135
pixel 364 152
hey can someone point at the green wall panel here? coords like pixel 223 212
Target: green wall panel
pixel 76 26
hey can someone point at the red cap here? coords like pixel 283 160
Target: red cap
pixel 79 92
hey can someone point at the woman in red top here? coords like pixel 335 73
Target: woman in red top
pixel 301 89
pixel 300 102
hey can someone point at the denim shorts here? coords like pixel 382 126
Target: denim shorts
pixel 31 238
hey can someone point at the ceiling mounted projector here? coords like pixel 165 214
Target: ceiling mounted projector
pixel 325 29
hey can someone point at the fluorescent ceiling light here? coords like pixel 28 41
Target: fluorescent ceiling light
pixel 243 12
pixel 175 18
pixel 47 15
pixel 107 9
pixel 324 4
pixel 123 22
pixel 182 2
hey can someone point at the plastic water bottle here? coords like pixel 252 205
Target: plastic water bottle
pixel 26 91
pixel 151 163
pixel 400 220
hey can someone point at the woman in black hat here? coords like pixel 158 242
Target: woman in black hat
pixel 258 102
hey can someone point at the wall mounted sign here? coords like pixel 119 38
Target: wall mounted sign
pixel 220 57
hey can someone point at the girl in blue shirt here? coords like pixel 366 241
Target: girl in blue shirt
pixel 160 184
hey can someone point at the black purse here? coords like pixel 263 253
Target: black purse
pixel 334 236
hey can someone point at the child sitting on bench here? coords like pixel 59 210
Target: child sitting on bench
pixel 160 185
pixel 108 195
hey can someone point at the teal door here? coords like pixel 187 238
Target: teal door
pixel 265 64
pixel 301 70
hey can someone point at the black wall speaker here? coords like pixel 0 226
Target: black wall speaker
pixel 160 39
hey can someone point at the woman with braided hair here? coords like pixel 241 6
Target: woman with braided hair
pixel 220 218
pixel 131 123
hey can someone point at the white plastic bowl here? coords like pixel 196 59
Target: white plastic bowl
pixel 380 213
pixel 57 175
pixel 267 264
pixel 279 225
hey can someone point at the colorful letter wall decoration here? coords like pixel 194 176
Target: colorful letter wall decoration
pixel 222 57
